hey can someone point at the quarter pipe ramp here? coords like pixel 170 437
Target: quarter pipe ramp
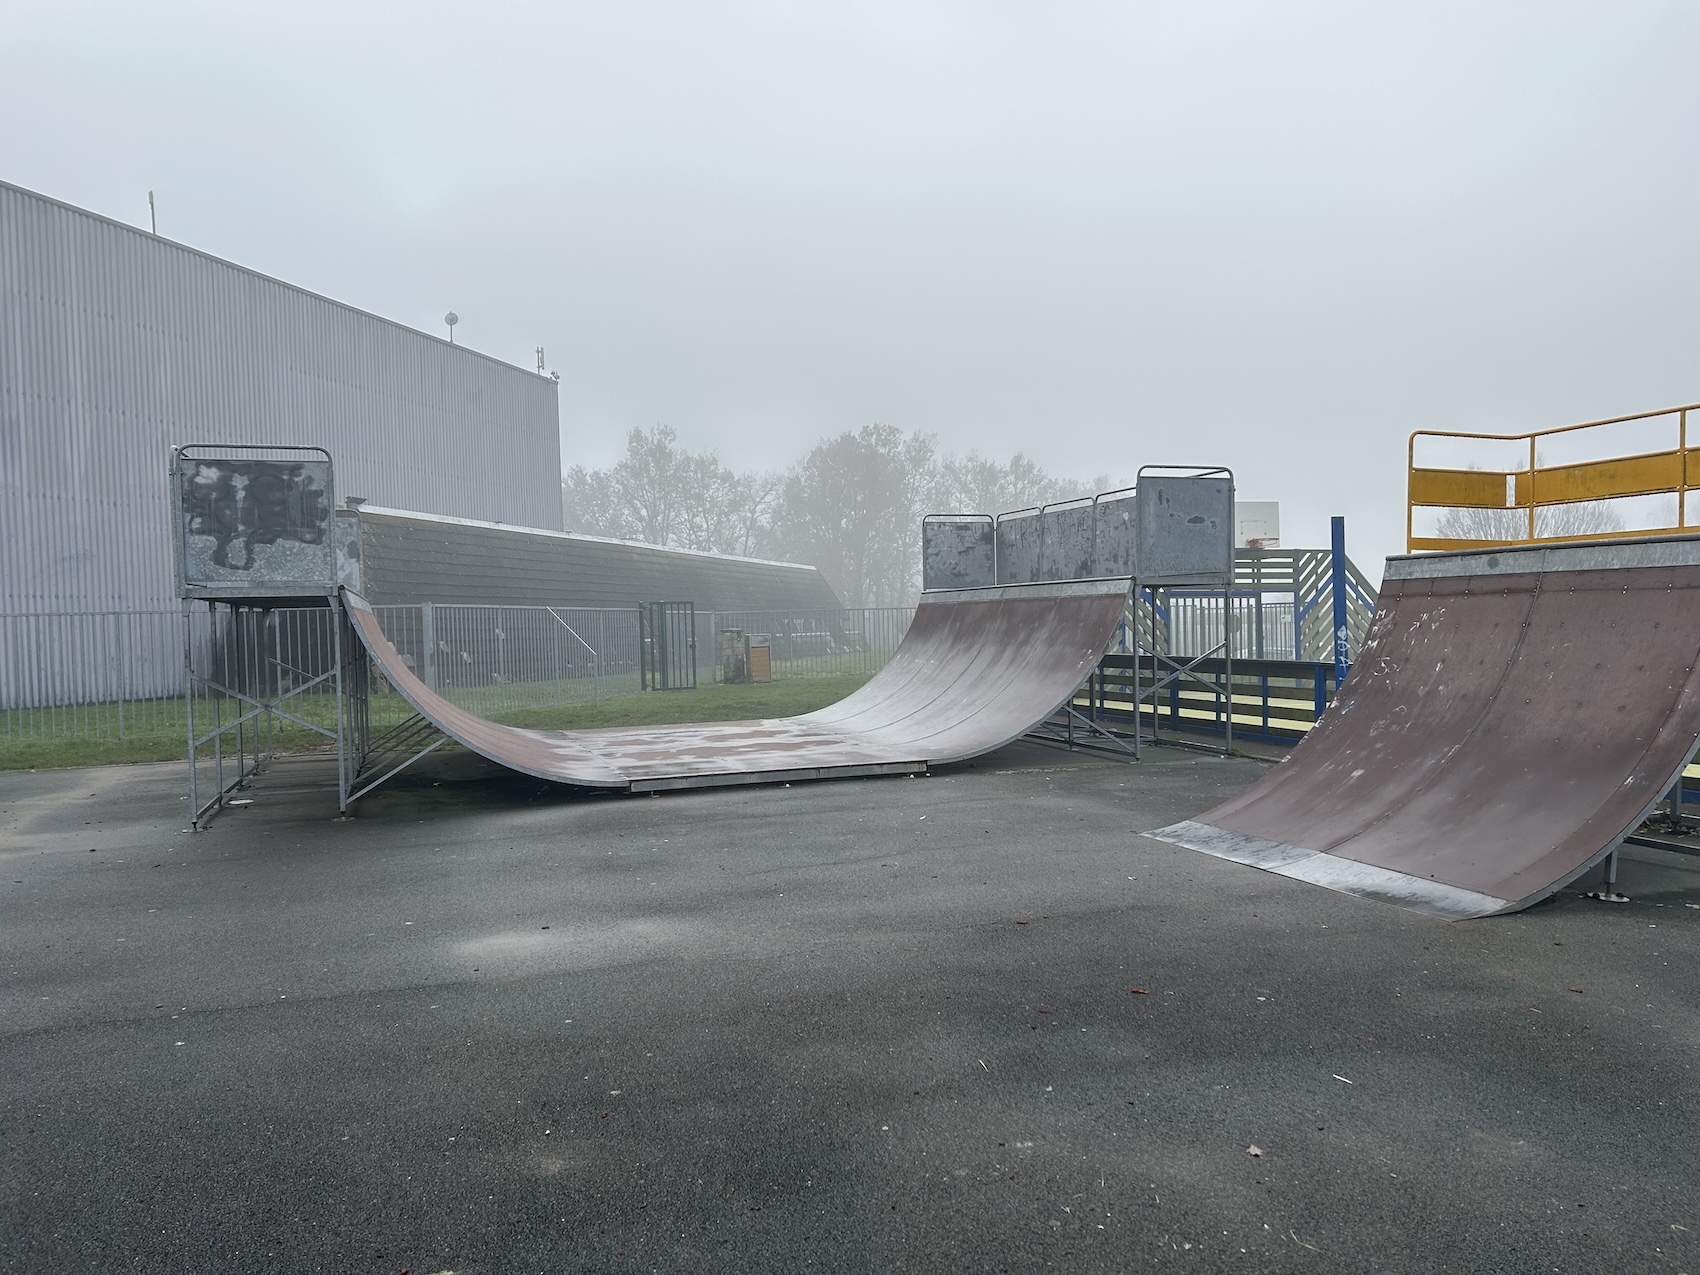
pixel 977 669
pixel 1513 714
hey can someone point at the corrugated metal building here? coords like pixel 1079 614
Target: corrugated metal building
pixel 115 344
pixel 411 558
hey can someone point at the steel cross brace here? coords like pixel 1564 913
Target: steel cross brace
pixel 1070 716
pixel 398 739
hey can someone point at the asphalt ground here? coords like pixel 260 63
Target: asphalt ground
pixel 972 1022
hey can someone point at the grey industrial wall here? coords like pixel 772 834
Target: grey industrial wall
pixel 115 344
pixel 411 558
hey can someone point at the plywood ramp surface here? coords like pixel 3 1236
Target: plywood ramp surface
pixel 1512 715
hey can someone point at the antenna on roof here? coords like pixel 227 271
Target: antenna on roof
pixel 451 318
pixel 153 222
pixel 540 360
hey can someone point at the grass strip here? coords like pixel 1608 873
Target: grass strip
pixel 711 703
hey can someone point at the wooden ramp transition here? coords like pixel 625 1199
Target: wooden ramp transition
pixel 977 669
pixel 1513 715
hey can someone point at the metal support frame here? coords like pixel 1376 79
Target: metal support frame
pixel 251 672
pixel 1169 671
pixel 1059 729
pixel 1679 826
pixel 1337 583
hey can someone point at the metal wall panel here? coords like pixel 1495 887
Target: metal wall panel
pixel 1018 547
pixel 1065 541
pixel 410 558
pixel 1116 535
pixel 957 551
pixel 1186 527
pixel 116 344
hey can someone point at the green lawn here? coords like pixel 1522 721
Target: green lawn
pixel 161 738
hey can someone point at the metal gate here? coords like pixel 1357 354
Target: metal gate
pixel 667 640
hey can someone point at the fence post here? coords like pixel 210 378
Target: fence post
pixel 428 640
pixel 1342 634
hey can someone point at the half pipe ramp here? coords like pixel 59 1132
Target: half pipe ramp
pixel 977 669
pixel 1514 713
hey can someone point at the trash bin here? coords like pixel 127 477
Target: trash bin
pixel 734 656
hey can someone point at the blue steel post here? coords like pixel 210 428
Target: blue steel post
pixel 1342 646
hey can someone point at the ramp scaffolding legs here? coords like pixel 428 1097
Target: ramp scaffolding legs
pixel 261 676
pixel 1156 674
pixel 1172 672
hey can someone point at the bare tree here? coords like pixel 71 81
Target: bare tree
pixel 974 484
pixel 650 483
pixel 853 506
pixel 643 497
pixel 1579 518
pixel 707 504
pixel 749 529
pixel 589 504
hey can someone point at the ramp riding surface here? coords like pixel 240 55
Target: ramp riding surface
pixel 977 668
pixel 1514 713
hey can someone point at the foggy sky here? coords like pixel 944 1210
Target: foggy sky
pixel 1277 237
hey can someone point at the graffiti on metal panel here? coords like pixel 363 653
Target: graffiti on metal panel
pixel 241 505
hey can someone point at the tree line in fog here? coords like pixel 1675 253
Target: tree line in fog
pixel 852 506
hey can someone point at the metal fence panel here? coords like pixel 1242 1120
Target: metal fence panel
pixel 667 645
pixel 831 643
pixel 100 676
pixel 119 675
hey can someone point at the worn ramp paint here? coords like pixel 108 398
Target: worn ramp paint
pixel 977 669
pixel 1514 713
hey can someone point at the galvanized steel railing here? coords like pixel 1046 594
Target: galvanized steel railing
pixel 1637 470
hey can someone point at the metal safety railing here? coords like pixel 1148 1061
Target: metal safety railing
pixel 1275 700
pixel 1087 537
pixel 1282 609
pixel 1610 479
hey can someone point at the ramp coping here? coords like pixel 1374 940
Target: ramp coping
pixel 1605 555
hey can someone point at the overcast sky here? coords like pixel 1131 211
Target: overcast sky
pixel 1272 236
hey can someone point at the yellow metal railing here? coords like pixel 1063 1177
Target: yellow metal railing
pixel 1537 485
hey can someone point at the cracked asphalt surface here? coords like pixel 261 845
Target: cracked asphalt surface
pixel 972 1022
